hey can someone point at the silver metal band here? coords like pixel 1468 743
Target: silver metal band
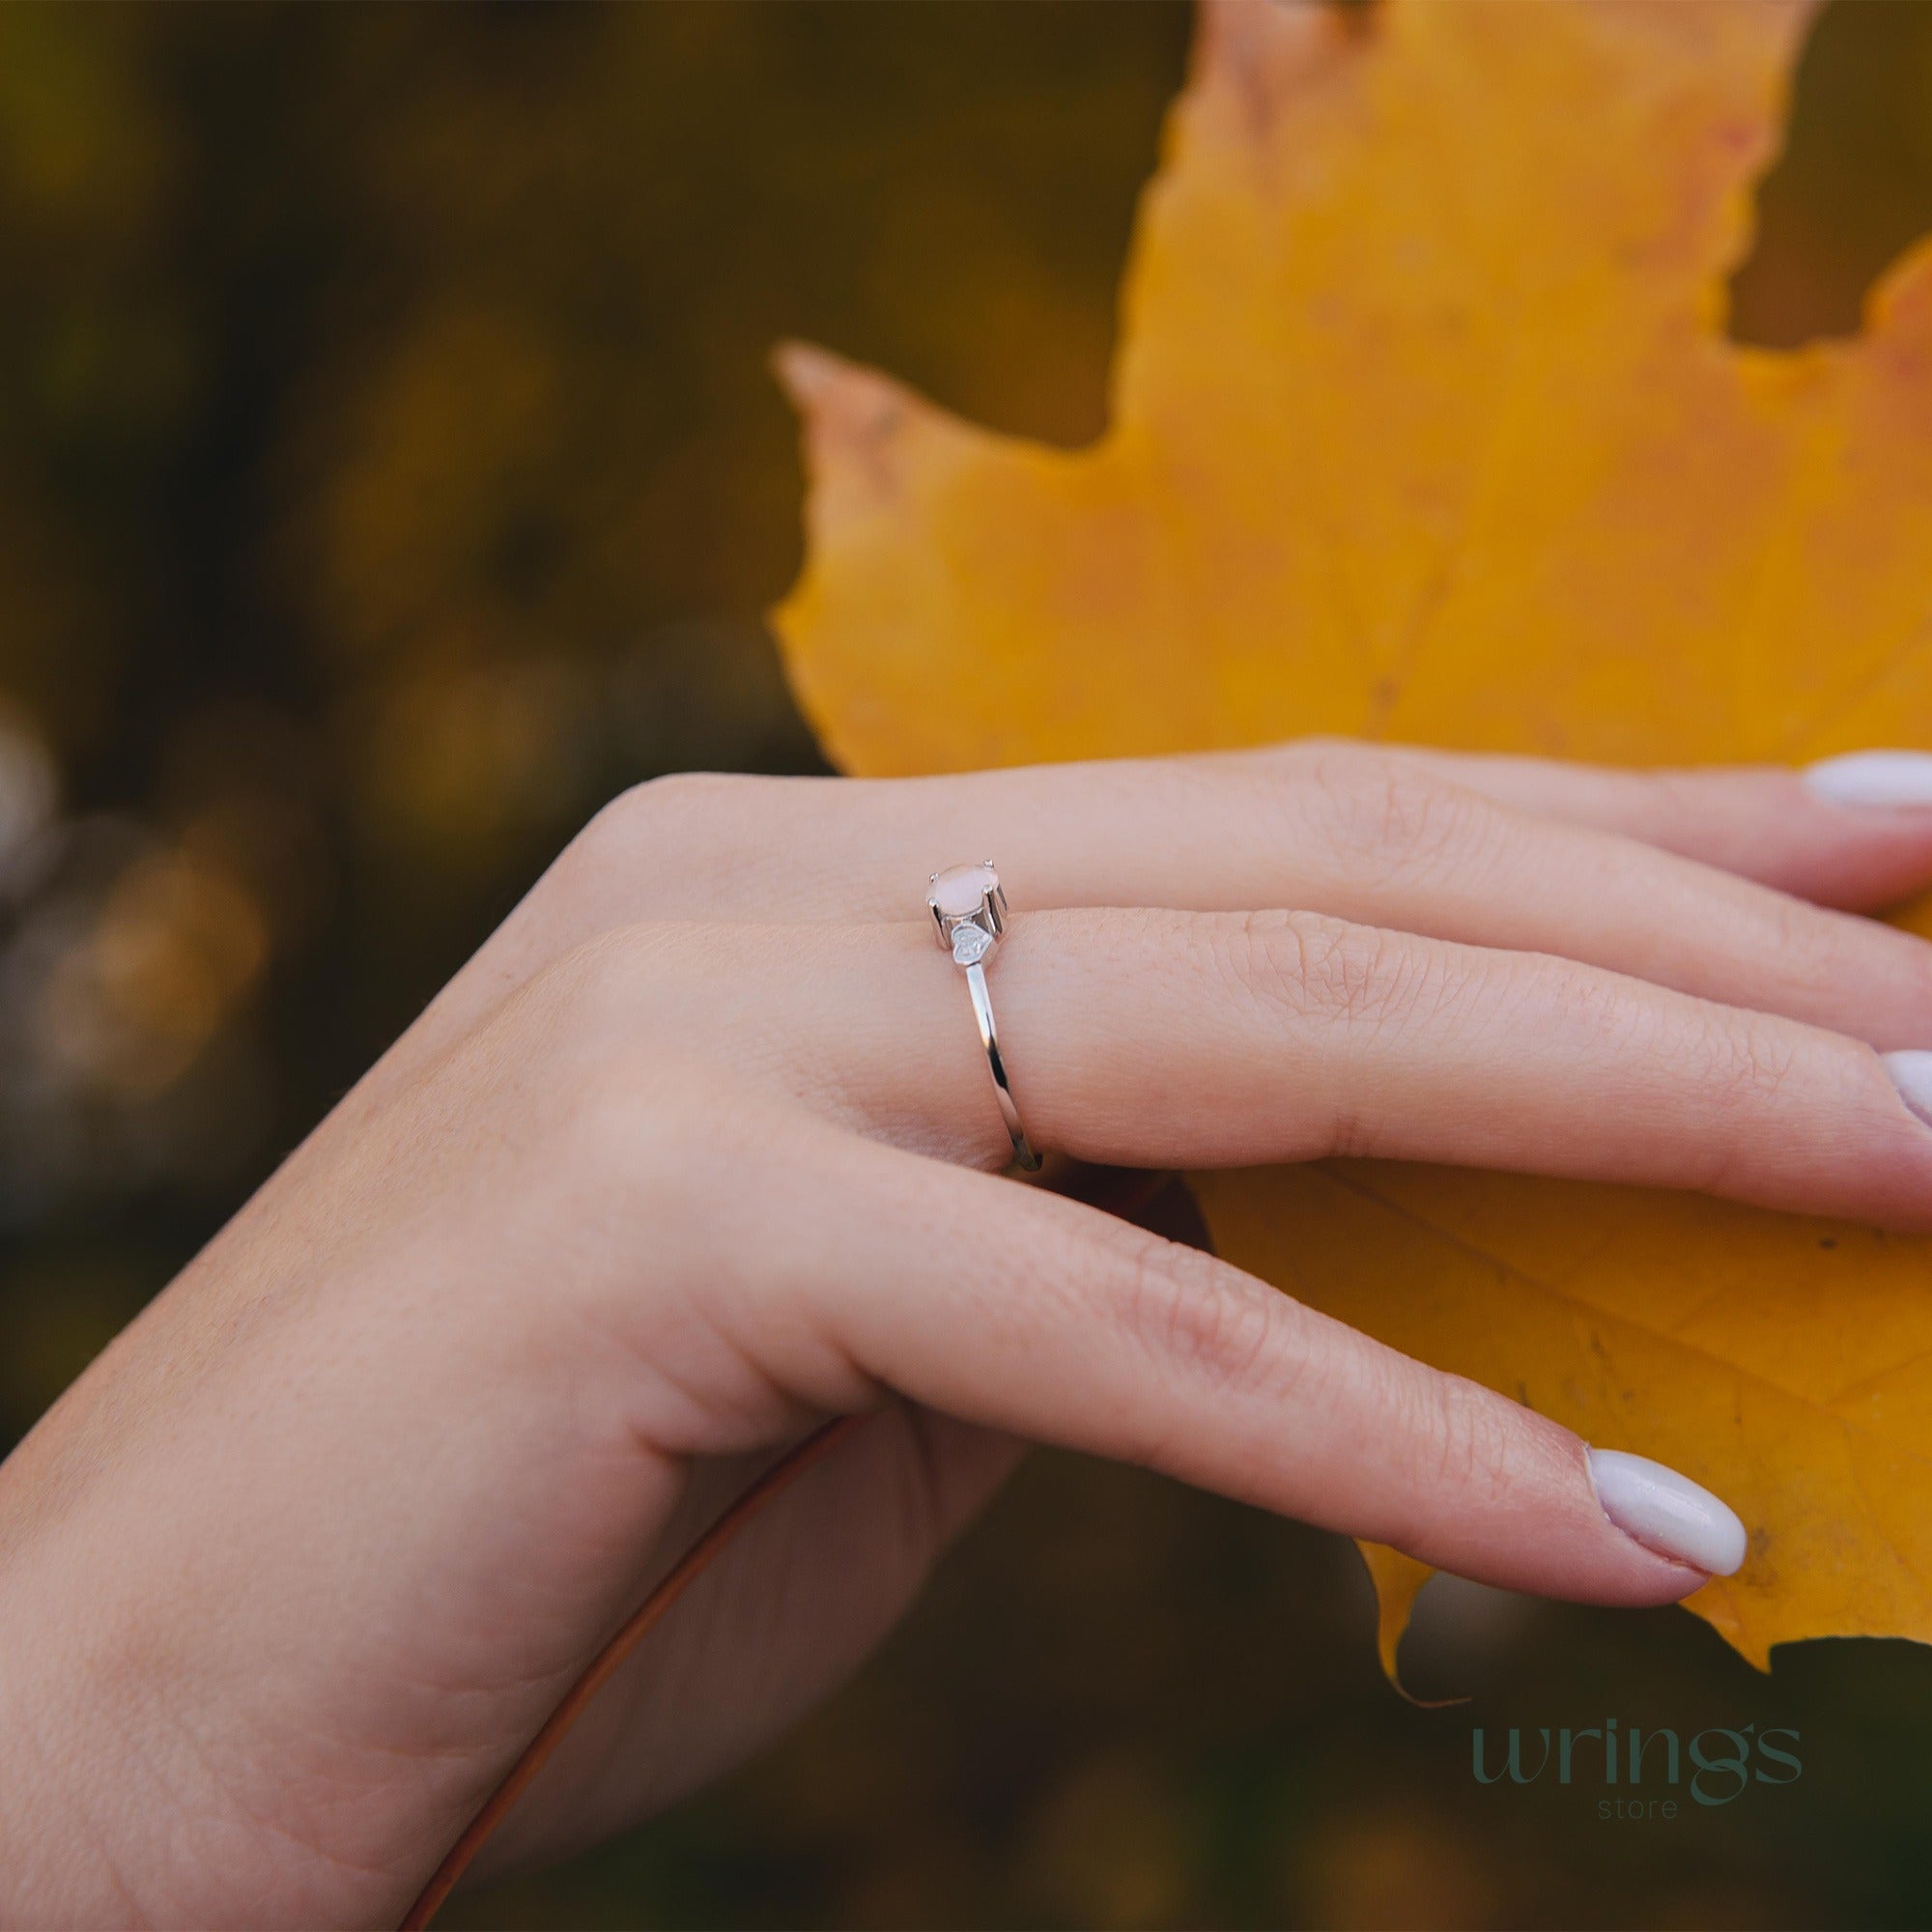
pixel 990 1037
pixel 969 915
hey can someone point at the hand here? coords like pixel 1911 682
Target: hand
pixel 693 1153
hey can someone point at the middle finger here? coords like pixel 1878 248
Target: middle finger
pixel 1349 830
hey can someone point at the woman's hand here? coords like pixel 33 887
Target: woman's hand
pixel 694 1153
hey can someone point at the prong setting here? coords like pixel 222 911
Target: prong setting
pixel 968 905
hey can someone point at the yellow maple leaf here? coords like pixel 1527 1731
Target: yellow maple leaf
pixel 1424 426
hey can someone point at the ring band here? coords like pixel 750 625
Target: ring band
pixel 969 913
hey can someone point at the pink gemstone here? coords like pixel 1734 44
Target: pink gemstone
pixel 958 890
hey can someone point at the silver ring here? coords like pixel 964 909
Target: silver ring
pixel 969 914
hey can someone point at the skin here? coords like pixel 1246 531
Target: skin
pixel 698 1150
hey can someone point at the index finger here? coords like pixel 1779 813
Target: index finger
pixel 1041 1318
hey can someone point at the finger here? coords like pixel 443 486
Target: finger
pixel 1176 1039
pixel 1342 830
pixel 705 846
pixel 1037 1317
pixel 1853 831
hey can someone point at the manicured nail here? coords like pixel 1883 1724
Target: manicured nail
pixel 1912 1074
pixel 1667 1513
pixel 1873 778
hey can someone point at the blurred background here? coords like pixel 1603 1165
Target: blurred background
pixel 389 471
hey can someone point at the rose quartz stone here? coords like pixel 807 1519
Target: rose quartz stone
pixel 958 890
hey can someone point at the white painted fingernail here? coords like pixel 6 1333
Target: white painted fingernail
pixel 1912 1074
pixel 1667 1513
pixel 1873 778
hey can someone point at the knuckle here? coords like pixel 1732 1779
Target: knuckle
pixel 1195 1320
pixel 673 1151
pixel 663 836
pixel 569 1031
pixel 1750 1061
pixel 623 996
pixel 1478 1439
pixel 604 972
pixel 1386 816
pixel 1320 762
pixel 1613 1009
pixel 705 993
pixel 619 1126
pixel 1332 972
pixel 677 795
pixel 672 1134
pixel 664 807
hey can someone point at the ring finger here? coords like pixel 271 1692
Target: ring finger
pixel 1160 1038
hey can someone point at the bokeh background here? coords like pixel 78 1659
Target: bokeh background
pixel 391 472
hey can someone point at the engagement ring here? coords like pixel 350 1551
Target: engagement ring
pixel 969 913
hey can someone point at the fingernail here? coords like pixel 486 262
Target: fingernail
pixel 1912 1074
pixel 1873 778
pixel 1667 1513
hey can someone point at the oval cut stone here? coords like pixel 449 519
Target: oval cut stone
pixel 958 891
